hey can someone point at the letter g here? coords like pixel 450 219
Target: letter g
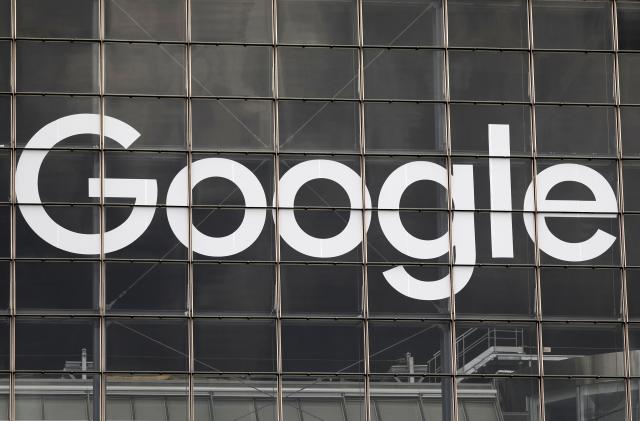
pixel 144 191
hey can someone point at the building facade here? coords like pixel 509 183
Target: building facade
pixel 319 210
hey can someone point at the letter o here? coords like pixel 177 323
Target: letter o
pixel 294 235
pixel 254 197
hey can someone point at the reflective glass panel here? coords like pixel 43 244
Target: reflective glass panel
pixel 402 22
pixel 575 130
pixel 322 346
pixel 489 75
pixel 230 70
pixel 232 124
pixel 158 20
pixel 583 349
pixel 146 344
pixel 57 19
pixel 145 69
pixel 231 20
pixel 397 127
pixel 573 77
pixel 501 23
pixel 65 67
pixel 234 345
pixel 317 72
pixel 572 24
pixel 66 341
pixel 403 73
pixel 317 22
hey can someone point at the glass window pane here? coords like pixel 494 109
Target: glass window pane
pixel 66 67
pixel 317 72
pixel 404 127
pixel 35 112
pixel 470 127
pixel 54 397
pixel 583 349
pixel 214 191
pixel 82 219
pixel 5 66
pixel 630 172
pixel 231 70
pixel 57 286
pixel 234 289
pixel 628 21
pixel 234 345
pixel 322 346
pixel 57 19
pixel 575 130
pixel 419 195
pixel 572 24
pixel 633 293
pixel 399 347
pixel 161 122
pixel 411 398
pixel 146 344
pixel 146 287
pixel 5 343
pixel 232 124
pixel 231 20
pixel 501 23
pixel 489 75
pixel 386 302
pixel 159 166
pixel 5 18
pixel 158 20
pixel 64 340
pixel 576 230
pixel 504 292
pixel 514 396
pixel 64 175
pixel 317 22
pixel 146 398
pixel 574 77
pixel 596 293
pixel 632 238
pixel 5 175
pixel 253 398
pixel 222 222
pixel 5 276
pixel 630 130
pixel 321 289
pixel 634 347
pixel 520 170
pixel 423 224
pixel 480 346
pixel 157 69
pixel 629 86
pixel 310 126
pixel 573 399
pixel 5 121
pixel 402 22
pixel 4 398
pixel 322 223
pixel 403 74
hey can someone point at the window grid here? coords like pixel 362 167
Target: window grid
pixel 363 153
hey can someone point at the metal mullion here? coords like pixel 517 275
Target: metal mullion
pixel 12 222
pixel 364 211
pixel 102 398
pixel 190 293
pixel 279 404
pixel 534 173
pixel 451 379
pixel 623 260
